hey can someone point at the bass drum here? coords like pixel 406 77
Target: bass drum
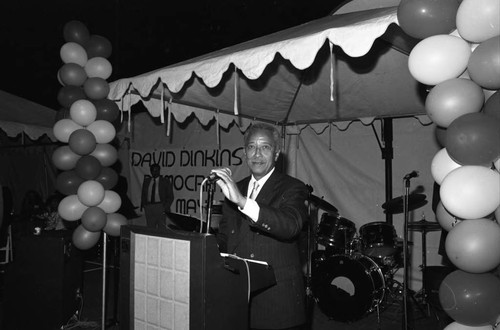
pixel 347 287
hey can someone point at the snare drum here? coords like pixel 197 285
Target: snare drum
pixel 378 239
pixel 347 287
pixel 336 233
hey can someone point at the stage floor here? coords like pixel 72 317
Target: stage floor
pixel 91 311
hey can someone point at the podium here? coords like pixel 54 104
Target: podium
pixel 178 280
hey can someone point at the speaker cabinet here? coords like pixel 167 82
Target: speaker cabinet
pixel 42 282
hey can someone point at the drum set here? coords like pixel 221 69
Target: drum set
pixel 350 273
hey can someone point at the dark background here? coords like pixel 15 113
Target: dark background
pixel 145 34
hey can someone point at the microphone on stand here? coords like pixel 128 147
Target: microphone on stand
pixel 213 177
pixel 412 174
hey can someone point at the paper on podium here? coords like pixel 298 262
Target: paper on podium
pixel 260 273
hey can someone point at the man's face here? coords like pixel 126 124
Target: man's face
pixel 261 153
pixel 155 171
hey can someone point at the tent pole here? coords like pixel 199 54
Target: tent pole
pixel 387 155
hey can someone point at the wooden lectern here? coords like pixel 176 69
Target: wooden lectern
pixel 178 280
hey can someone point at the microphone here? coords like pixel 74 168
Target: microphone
pixel 214 177
pixel 412 174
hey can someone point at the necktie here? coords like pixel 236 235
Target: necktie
pixel 253 194
pixel 153 191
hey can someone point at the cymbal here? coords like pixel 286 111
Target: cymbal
pixel 424 225
pixel 395 205
pixel 322 204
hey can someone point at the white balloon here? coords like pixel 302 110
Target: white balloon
pixel 63 129
pixel 478 20
pixel 83 112
pixel 90 193
pixel 70 208
pixel 98 67
pixel 441 165
pixel 111 202
pixel 439 58
pixel 471 192
pixel 103 131
pixel 71 52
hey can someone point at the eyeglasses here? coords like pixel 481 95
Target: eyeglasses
pixel 265 148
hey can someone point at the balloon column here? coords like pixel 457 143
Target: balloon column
pixel 86 125
pixel 459 58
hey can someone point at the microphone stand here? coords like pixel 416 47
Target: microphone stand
pixel 210 203
pixel 405 252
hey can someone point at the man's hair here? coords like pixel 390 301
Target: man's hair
pixel 154 165
pixel 273 130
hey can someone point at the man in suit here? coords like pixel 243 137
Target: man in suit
pixel 264 223
pixel 156 198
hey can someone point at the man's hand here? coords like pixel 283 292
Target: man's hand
pixel 228 186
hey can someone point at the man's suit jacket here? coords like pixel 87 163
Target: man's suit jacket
pixel 165 191
pixel 273 238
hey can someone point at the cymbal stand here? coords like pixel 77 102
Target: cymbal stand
pixel 422 293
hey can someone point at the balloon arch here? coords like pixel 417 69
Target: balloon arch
pixel 459 59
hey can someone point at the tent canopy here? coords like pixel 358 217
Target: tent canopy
pixel 337 68
pixel 18 115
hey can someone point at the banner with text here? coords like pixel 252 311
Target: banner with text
pixel 186 169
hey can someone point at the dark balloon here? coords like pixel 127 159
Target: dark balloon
pixel 108 178
pixel 72 74
pixel 424 18
pixel 84 239
pixel 98 46
pixel 82 142
pixel 114 223
pixel 88 167
pixel 76 31
pixel 106 110
pixel 67 182
pixel 69 94
pixel 96 88
pixel 484 64
pixel 471 299
pixel 472 139
pixel 94 219
pixel 64 158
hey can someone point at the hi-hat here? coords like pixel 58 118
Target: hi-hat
pixel 395 205
pixel 424 225
pixel 322 204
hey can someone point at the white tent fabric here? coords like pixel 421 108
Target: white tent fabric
pixel 331 69
pixel 18 115
pixel 330 72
